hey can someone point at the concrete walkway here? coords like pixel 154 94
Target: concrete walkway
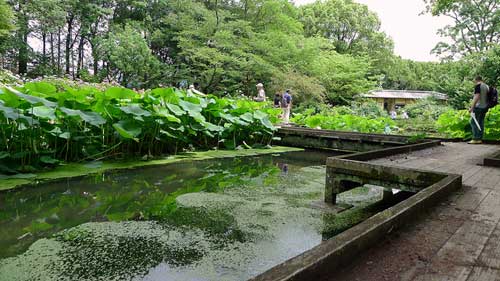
pixel 458 240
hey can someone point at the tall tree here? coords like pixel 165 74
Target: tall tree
pixel 475 28
pixel 6 20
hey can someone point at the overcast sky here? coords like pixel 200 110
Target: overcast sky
pixel 414 35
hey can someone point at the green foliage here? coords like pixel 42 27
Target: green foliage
pixel 490 66
pixel 427 109
pixel 39 123
pixel 305 90
pixel 350 26
pixel 130 57
pixel 346 122
pixel 6 20
pixel 343 76
pixel 476 26
pixel 457 124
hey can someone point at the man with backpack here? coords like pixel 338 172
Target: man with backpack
pixel 485 97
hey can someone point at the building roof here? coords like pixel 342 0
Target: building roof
pixel 404 94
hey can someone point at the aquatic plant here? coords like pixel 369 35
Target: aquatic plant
pixel 42 125
pixel 346 122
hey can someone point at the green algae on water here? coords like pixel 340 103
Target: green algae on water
pixel 212 220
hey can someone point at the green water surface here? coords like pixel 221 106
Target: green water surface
pixel 224 219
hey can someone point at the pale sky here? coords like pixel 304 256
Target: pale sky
pixel 414 35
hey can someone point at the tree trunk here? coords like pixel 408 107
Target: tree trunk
pixel 44 45
pixel 52 62
pixel 95 57
pixel 23 40
pixel 68 43
pixel 59 51
pixel 79 62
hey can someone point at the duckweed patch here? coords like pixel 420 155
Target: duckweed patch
pixel 221 220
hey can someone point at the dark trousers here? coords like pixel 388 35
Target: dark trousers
pixel 477 134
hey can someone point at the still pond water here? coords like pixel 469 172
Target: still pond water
pixel 224 219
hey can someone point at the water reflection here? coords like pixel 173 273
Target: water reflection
pixel 228 219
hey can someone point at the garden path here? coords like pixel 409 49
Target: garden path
pixel 457 240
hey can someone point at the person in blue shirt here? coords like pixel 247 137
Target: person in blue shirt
pixel 286 105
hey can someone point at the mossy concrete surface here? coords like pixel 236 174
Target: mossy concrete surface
pixel 82 169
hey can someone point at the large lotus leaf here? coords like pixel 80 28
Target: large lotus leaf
pixel 43 112
pixel 212 127
pixel 44 88
pixel 264 119
pixel 168 95
pixel 197 100
pixel 228 117
pixel 128 129
pixel 163 112
pixel 9 112
pixel 135 109
pixel 175 109
pixel 247 117
pixel 31 99
pixel 119 93
pixel 190 107
pixel 193 110
pixel 233 119
pixel 267 124
pixel 259 115
pixel 170 135
pixel 81 95
pixel 90 117
pixel 10 99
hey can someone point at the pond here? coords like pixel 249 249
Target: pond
pixel 222 219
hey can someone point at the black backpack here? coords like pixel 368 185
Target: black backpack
pixel 492 97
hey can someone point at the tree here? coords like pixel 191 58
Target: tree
pixel 6 20
pixel 476 25
pixel 490 66
pixel 129 58
pixel 343 76
pixel 349 26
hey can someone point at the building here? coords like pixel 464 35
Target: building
pixel 395 99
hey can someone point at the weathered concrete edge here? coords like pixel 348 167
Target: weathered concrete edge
pixel 331 254
pixel 74 170
pixel 380 153
pixel 493 160
pixel 345 135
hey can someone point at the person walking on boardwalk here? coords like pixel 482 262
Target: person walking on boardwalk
pixel 277 100
pixel 286 105
pixel 478 110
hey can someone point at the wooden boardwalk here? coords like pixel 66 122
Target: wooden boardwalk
pixel 458 240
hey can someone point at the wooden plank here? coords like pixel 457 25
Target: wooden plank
pixel 490 179
pixel 444 272
pixel 484 274
pixel 465 246
pixel 491 252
